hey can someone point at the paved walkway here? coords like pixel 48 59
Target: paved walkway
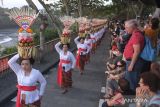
pixel 86 88
pixel 8 81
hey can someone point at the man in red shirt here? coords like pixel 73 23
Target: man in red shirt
pixel 134 64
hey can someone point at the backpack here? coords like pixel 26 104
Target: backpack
pixel 148 53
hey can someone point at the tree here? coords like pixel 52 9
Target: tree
pixel 79 8
pixel 126 9
pixel 66 3
pixel 55 22
pixel 80 11
pixel 152 3
pixel 137 7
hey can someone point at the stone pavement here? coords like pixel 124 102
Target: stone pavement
pixel 8 81
pixel 86 88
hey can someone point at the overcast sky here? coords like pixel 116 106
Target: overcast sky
pixel 20 3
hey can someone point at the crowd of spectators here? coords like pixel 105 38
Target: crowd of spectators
pixel 128 74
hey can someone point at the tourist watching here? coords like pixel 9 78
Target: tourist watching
pixel 155 69
pixel 112 78
pixel 147 92
pixel 134 64
pixel 119 95
pixel 158 45
pixel 152 33
pixel 117 28
pixel 123 40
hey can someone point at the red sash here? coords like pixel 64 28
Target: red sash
pixel 23 88
pixel 78 56
pixel 94 38
pixel 60 70
pixel 94 45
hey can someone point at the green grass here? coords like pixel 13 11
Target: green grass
pixel 9 50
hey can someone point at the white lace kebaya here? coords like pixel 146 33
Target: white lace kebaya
pixel 30 80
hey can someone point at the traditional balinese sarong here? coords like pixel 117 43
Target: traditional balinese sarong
pixel 94 47
pixel 35 104
pixel 60 71
pixel 67 79
pixel 20 103
pixel 88 57
pixel 98 42
pixel 80 59
pixel 82 62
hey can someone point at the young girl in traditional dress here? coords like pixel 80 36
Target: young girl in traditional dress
pixel 66 64
pixel 28 93
pixel 83 50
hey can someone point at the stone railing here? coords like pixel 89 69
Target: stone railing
pixel 48 48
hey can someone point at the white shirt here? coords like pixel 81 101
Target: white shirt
pixel 31 80
pixel 82 46
pixel 101 32
pixel 96 35
pixel 93 37
pixel 89 43
pixel 69 57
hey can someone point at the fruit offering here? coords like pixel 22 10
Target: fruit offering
pixel 24 17
pixel 65 38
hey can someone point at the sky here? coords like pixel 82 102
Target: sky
pixel 20 3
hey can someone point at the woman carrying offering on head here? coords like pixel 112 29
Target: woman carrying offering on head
pixel 66 64
pixel 27 77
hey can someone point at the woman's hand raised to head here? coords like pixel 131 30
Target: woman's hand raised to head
pixel 141 91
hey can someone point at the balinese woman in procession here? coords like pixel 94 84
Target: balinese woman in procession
pixel 28 93
pixel 94 40
pixel 82 51
pixel 66 65
pixel 67 59
pixel 88 41
pixel 100 35
pixel 97 32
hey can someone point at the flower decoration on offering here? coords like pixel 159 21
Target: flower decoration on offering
pixel 67 22
pixel 88 26
pixel 87 29
pixel 24 17
pixel 65 38
pixel 98 23
pixel 81 31
pixel 82 21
